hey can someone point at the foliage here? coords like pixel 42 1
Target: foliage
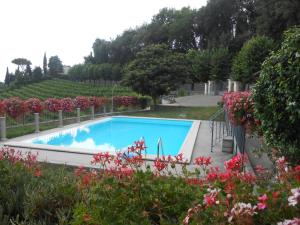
pixel 240 109
pixel 247 63
pixel 273 17
pixel 67 104
pixel 55 65
pixel 82 102
pixel 220 64
pixel 53 104
pixel 200 65
pixel 277 97
pixel 156 71
pixel 45 67
pixel 34 105
pixel 21 62
pixel 97 101
pixel 37 73
pixel 14 107
pixel 125 100
pixel 119 190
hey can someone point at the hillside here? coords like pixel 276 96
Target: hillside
pixel 59 88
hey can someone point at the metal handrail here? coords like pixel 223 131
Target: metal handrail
pixel 160 147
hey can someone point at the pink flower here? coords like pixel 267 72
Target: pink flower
pixel 263 198
pixel 261 206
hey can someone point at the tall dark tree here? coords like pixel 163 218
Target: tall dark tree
pixel 45 68
pixel 7 77
pixel 37 73
pixel 55 65
pixel 101 50
pixel 275 16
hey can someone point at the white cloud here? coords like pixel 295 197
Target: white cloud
pixel 68 28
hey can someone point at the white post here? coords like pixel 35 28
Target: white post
pixel 60 118
pixel 237 86
pixel 3 129
pixel 229 88
pixel 211 87
pixel 78 115
pixel 37 122
pixel 205 88
pixel 92 112
pixel 104 109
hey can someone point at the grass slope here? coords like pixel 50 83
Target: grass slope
pixel 59 88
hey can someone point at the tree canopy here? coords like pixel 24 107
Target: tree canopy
pixel 55 65
pixel 156 71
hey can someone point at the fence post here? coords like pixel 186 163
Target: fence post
pixel 60 118
pixel 104 109
pixel 78 115
pixel 3 129
pixel 37 122
pixel 92 112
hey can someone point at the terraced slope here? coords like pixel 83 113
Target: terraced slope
pixel 58 88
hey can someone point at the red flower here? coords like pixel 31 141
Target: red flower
pixel 37 172
pixel 160 165
pixel 203 161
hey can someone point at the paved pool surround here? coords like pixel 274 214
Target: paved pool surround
pixel 76 157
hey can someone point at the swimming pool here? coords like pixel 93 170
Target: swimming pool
pixel 117 133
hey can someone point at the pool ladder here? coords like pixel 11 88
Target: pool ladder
pixel 160 147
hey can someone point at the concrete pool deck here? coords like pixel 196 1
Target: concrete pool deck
pixel 201 147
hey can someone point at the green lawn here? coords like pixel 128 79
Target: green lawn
pixel 197 113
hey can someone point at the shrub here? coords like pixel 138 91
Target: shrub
pixel 97 101
pixel 144 101
pixel 82 102
pixel 14 107
pixel 67 104
pixel 277 97
pixel 2 108
pixel 34 105
pixel 240 109
pixel 53 104
pixel 125 101
pixel 248 61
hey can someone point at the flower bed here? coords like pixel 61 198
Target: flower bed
pixel 120 190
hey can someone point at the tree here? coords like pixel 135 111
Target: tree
pixel 277 97
pixel 55 65
pixel 101 50
pixel 21 62
pixel 45 68
pixel 220 64
pixel 7 77
pixel 200 65
pixel 37 73
pixel 247 63
pixel 275 16
pixel 156 71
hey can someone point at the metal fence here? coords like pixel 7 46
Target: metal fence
pixel 49 119
pixel 222 127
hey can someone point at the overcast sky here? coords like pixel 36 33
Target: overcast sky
pixel 68 28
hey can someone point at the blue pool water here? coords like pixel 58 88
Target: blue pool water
pixel 117 133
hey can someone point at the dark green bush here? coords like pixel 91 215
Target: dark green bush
pixel 277 97
pixel 248 61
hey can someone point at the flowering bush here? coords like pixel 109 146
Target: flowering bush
pixel 14 107
pixel 120 187
pixel 34 105
pixel 240 109
pixel 67 104
pixel 97 101
pixel 125 101
pixel 2 108
pixel 53 104
pixel 82 102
